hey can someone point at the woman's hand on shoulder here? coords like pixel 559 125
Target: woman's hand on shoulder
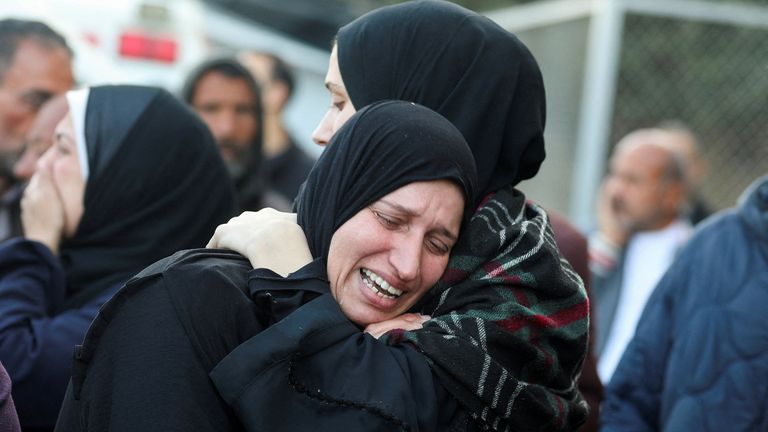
pixel 42 212
pixel 408 321
pixel 268 238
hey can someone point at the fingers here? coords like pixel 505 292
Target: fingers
pixel 409 321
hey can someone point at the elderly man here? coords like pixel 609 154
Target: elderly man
pixel 35 65
pixel 642 225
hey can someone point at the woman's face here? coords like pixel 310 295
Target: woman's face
pixel 341 108
pixel 383 259
pixel 61 162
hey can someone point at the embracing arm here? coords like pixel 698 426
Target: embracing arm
pixel 323 373
pixel 268 238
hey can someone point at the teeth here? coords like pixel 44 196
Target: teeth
pixel 378 285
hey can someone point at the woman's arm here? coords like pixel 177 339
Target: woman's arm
pixel 268 238
pixel 316 370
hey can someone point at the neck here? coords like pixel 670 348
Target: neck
pixel 275 135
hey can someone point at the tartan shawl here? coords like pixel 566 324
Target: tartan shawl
pixel 509 326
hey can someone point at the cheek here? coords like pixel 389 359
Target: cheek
pixel 432 269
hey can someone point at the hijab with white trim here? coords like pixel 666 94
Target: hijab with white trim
pixel 155 184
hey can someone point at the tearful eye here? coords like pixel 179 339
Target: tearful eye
pixel 437 247
pixel 387 221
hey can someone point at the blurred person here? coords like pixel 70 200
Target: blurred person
pixel 35 64
pixel 38 139
pixel 9 421
pixel 285 164
pixel 684 141
pixel 509 326
pixel 228 99
pixel 641 226
pixel 96 211
pixel 699 358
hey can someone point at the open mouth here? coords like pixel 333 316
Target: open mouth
pixel 378 285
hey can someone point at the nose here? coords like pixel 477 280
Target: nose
pixel 323 132
pixel 223 126
pixel 405 258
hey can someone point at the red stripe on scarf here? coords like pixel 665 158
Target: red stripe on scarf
pixel 559 319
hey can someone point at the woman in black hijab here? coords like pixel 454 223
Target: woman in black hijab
pixel 378 197
pixel 132 177
pixel 508 333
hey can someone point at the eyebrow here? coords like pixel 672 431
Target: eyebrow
pixel 440 229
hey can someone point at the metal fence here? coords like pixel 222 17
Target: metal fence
pixel 711 76
pixel 612 66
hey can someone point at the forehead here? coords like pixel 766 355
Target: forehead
pixel 39 67
pixel 640 159
pixel 215 86
pixel 437 201
pixel 333 76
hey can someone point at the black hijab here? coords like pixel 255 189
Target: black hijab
pixel 381 148
pixel 156 184
pixel 460 64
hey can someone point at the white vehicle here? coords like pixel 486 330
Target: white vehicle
pixel 153 42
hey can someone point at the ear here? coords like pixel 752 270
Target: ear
pixel 276 96
pixel 675 196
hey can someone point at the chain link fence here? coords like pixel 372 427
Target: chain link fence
pixel 713 78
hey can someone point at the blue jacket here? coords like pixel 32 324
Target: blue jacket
pixel 699 358
pixel 35 345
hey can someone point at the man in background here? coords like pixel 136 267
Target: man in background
pixel 35 65
pixel 285 165
pixel 227 98
pixel 642 224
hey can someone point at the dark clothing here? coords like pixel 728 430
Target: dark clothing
pixel 9 422
pixel 191 310
pixel 510 322
pixel 35 343
pixel 155 184
pixel 315 370
pixel 144 363
pixel 700 210
pixel 381 148
pixel 699 358
pixel 573 246
pixel 155 343
pixel 532 309
pixel 286 171
pixel 460 64
pixel 10 213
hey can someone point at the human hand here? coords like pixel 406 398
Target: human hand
pixel 608 223
pixel 408 321
pixel 268 238
pixel 42 211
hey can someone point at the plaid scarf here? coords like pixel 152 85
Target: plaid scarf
pixel 508 333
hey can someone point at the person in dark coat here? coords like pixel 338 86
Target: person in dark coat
pixel 394 186
pixel 699 358
pixel 510 318
pixel 132 176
